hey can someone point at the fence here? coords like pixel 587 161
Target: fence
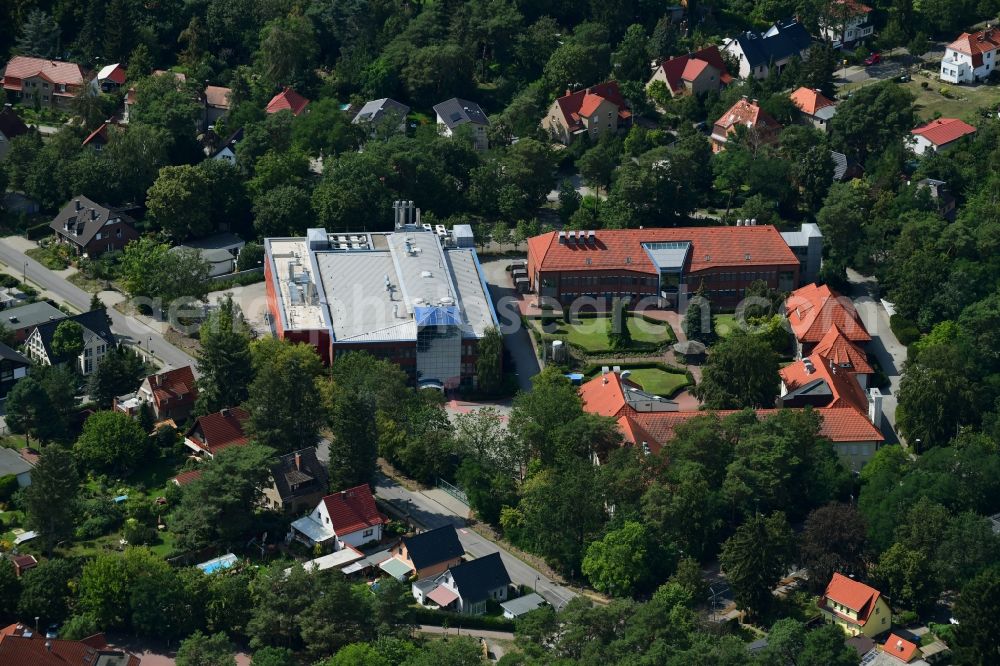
pixel 453 490
pixel 236 275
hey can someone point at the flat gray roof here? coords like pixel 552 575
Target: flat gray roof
pixel 522 605
pixel 30 315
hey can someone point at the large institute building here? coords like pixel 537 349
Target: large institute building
pixel 662 263
pixel 410 296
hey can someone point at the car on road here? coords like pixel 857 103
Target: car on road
pixel 874 59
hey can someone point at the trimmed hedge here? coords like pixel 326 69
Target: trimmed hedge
pixel 437 618
pixel 905 330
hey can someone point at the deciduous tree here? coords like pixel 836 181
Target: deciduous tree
pixel 111 442
pixel 224 360
pixel 741 371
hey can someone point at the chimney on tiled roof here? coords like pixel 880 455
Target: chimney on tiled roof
pixel 77 203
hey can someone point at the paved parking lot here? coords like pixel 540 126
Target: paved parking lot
pixel 515 339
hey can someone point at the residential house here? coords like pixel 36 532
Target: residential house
pixel 186 477
pixel 20 644
pixel 759 53
pixel 468 587
pixel 813 310
pixel 971 57
pixel 807 244
pixel 855 607
pixel 11 126
pixel 650 424
pixel 97 139
pixel 347 518
pixel 227 153
pixel 130 96
pixel 592 111
pixel 22 563
pixel 287 100
pixel 91 229
pixel 212 433
pixel 900 649
pixel 941 195
pixel 12 463
pixel 98 340
pixel 13 368
pixel 48 83
pixel 845 168
pixel 815 108
pixel 22 319
pixel 846 22
pixel 216 103
pixel 110 78
pixel 430 553
pixel 298 481
pixel 170 394
pixel 455 113
pixel 939 134
pixel 746 113
pixel 693 73
pixel 380 111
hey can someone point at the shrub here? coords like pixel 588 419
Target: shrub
pixel 905 330
pixel 442 618
pixel 925 85
pixel 8 486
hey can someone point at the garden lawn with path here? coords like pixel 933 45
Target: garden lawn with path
pixel 591 333
pixel 658 382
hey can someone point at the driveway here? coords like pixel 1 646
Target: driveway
pixel 59 289
pixel 429 513
pixel 886 349
pixel 515 337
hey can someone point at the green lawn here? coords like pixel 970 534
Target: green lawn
pixel 723 325
pixel 591 334
pixel 658 382
pixel 964 103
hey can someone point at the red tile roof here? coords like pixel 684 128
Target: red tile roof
pixel 98 136
pixel 855 595
pixel 55 71
pixel 20 645
pixel 812 310
pixel 977 43
pixel 287 99
pixel 837 348
pixel 604 395
pixel 214 432
pixel 187 477
pixel 745 112
pixel 352 510
pixel 843 385
pixel 900 648
pixel 854 8
pixel 217 96
pixel 944 130
pixel 693 68
pixel 810 101
pixel 676 70
pixel 583 103
pixel 711 247
pixel 176 387
pixel 114 73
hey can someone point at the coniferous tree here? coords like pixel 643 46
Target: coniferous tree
pixel 50 500
pixel 39 35
pixel 224 359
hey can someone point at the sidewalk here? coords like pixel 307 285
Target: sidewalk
pixel 459 631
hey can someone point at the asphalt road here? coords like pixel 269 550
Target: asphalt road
pixel 127 328
pixel 515 336
pixel 430 514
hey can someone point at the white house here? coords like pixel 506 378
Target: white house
pixel 347 518
pixel 468 587
pixel 938 135
pixel 98 340
pixel 971 57
pixel 456 112
pixel 373 113
pixel 757 53
pixel 846 22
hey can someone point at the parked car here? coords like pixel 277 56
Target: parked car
pixel 874 59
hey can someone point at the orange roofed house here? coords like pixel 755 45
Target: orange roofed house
pixel 855 607
pixel 815 108
pixel 170 394
pixel 813 310
pixel 287 100
pixel 660 263
pixel 939 134
pixel 694 73
pixel 21 645
pixel 213 432
pixel 347 518
pixel 746 113
pixel 971 57
pixel 593 111
pixel 49 83
pixel 649 422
